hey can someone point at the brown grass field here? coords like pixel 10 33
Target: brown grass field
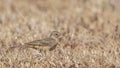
pixel 90 33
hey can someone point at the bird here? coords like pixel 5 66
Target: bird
pixel 48 43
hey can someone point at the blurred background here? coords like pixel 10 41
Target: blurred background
pixel 85 25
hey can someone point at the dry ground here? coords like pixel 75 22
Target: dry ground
pixel 90 29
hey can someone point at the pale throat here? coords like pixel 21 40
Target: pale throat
pixel 54 38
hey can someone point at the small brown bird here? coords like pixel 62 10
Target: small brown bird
pixel 49 43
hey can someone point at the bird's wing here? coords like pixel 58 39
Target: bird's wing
pixel 43 42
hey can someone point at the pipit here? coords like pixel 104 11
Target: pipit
pixel 48 43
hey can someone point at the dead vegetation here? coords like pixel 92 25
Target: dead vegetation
pixel 90 29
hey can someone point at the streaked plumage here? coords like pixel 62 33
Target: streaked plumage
pixel 49 43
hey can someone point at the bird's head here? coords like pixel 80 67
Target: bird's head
pixel 55 34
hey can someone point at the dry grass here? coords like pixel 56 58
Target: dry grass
pixel 90 28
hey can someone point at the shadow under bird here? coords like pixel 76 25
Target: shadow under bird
pixel 48 43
